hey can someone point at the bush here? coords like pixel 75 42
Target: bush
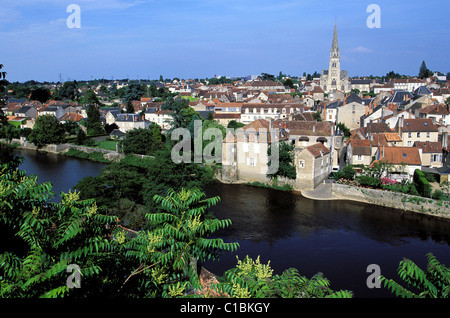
pixel 349 173
pixel 402 188
pixel 422 184
pixel 369 181
pixel 338 175
pixel 438 195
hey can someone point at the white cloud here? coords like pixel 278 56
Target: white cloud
pixel 361 49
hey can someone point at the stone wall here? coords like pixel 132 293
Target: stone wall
pixel 392 200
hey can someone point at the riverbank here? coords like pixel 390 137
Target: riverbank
pixel 70 150
pixel 395 200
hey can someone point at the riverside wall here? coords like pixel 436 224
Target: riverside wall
pixel 392 200
pixel 63 148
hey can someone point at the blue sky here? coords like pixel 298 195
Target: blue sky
pixel 202 38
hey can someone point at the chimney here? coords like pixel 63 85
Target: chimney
pixel 444 140
pixel 416 113
pixel 400 122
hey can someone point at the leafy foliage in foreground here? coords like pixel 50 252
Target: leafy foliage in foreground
pixel 434 282
pixel 169 253
pixel 50 235
pixel 251 279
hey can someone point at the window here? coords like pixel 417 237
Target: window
pixel 251 162
pixel 360 157
pixel 418 135
pixel 301 164
pixel 428 134
pixel 409 135
pixel 436 158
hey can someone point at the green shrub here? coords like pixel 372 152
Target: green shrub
pixel 348 172
pixel 369 181
pixel 421 183
pixel 438 195
pixel 338 175
pixel 402 188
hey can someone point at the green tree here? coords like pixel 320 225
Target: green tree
pixel 286 161
pixel 233 124
pixel 180 240
pixel 10 132
pixel 90 98
pixel 344 129
pixel 348 172
pixel 289 83
pixel 71 127
pixel 142 141
pixel 424 72
pixel 47 130
pixel 49 237
pixel 69 91
pixel 434 282
pixel 133 91
pixel 317 116
pixel 129 107
pixel 40 94
pixel 93 123
pixel 81 136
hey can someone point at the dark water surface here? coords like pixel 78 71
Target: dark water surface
pixel 338 238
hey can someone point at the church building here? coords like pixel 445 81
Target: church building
pixel 334 79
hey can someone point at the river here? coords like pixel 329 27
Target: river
pixel 338 238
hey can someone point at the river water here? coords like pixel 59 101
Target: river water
pixel 338 238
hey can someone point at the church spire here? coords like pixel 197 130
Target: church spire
pixel 335 45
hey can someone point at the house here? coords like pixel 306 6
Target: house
pixel 251 111
pixel 417 129
pixel 405 161
pixel 57 111
pixel 407 84
pixel 245 153
pixel 439 113
pixel 11 108
pixel 161 117
pixel 330 111
pixel 111 115
pixel 392 119
pixel 305 133
pixel 27 112
pixel 400 99
pixel 363 85
pixel 375 115
pixel 71 117
pixel 127 122
pixel 265 86
pixel 351 111
pixel 432 153
pixel 224 118
pixel 359 152
pixel 313 165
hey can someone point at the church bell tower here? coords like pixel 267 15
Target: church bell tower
pixel 334 70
